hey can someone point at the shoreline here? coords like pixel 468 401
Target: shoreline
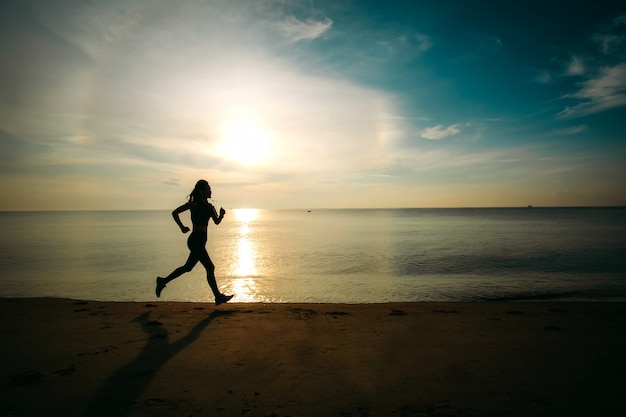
pixel 545 358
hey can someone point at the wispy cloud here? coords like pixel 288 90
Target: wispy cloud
pixel 134 98
pixel 415 42
pixel 605 91
pixel 544 77
pixel 439 132
pixel 607 41
pixel 612 37
pixel 568 131
pixel 159 103
pixel 296 30
pixel 576 66
pixel 408 117
pixel 602 73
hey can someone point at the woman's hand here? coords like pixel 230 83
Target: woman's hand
pixel 222 211
pixel 184 229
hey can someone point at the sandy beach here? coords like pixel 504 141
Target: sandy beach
pixel 82 358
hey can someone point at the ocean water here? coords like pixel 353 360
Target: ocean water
pixel 346 256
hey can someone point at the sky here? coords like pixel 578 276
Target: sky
pixel 123 105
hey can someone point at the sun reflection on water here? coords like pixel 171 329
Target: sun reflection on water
pixel 244 269
pixel 245 265
pixel 245 289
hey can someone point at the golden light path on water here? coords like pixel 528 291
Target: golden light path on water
pixel 245 259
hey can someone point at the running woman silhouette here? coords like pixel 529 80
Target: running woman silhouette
pixel 201 212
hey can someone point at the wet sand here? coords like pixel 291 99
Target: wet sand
pixel 75 358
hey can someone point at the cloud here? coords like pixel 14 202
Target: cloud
pixel 602 70
pixel 416 42
pixel 544 77
pixel 573 130
pixel 607 42
pixel 439 132
pixel 159 99
pixel 165 109
pixel 296 30
pixel 171 182
pixel 611 39
pixel 605 91
pixel 576 66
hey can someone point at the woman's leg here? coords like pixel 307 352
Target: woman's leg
pixel 192 260
pixel 205 260
pixel 196 244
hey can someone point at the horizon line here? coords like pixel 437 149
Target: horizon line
pixel 333 208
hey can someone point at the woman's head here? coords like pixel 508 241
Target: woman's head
pixel 201 191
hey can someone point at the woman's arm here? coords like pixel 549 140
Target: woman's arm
pixel 217 219
pixel 175 214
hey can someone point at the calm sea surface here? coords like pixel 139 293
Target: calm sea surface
pixel 348 256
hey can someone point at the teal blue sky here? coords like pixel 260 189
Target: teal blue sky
pixel 306 104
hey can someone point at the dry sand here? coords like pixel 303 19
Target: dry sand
pixel 75 358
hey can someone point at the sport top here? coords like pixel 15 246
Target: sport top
pixel 200 214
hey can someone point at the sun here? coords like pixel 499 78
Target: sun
pixel 245 142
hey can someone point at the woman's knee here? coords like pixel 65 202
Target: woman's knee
pixel 188 266
pixel 208 265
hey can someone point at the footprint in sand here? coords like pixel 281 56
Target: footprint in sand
pixel 66 372
pixel 160 402
pixel 26 378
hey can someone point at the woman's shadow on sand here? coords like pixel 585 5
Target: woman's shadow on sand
pixel 118 395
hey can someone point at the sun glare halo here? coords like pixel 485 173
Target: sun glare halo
pixel 245 142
